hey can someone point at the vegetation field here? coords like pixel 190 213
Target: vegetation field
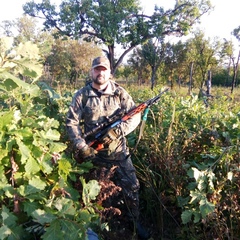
pixel 187 157
pixel 187 162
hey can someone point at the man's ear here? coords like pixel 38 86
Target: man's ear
pixel 90 74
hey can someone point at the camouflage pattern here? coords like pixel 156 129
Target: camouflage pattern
pixel 90 108
pixel 86 106
pixel 101 62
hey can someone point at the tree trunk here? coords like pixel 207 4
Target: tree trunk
pixel 228 74
pixel 190 79
pixel 209 82
pixel 235 71
pixel 153 77
pixel 110 54
pixel 179 82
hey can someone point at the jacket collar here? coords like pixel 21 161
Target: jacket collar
pixel 110 89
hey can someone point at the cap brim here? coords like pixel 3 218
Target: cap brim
pixel 101 65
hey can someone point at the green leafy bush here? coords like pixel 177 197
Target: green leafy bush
pixel 188 160
pixel 37 194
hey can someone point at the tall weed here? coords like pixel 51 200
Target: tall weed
pixel 188 164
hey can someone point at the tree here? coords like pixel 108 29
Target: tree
pixel 26 29
pixel 119 22
pixel 21 60
pixel 204 55
pixel 153 53
pixel 236 33
pixel 7 27
pixel 124 71
pixel 139 65
pixel 227 51
pixel 176 63
pixel 66 59
pixel 235 72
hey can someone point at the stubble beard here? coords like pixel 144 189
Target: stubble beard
pixel 100 80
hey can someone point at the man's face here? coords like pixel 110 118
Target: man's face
pixel 100 75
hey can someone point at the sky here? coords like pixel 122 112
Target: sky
pixel 219 23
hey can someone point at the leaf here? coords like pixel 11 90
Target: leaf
pixel 51 92
pixel 9 84
pixel 72 230
pixel 57 147
pixel 12 82
pixel 202 183
pixel 35 185
pixel 4 153
pixel 25 133
pixel 31 166
pixel 197 217
pixel 65 207
pixel 47 123
pixel 13 233
pixel 4 232
pixel 235 125
pixel 196 196
pixel 50 134
pixel 42 216
pixel 29 207
pixel 10 225
pixel 186 216
pixel 85 167
pixel 196 173
pixel 230 176
pixel 46 166
pixel 24 151
pixel 182 201
pixel 29 50
pixel 6 119
pixel 8 218
pixel 85 215
pixel 32 90
pixel 90 190
pixel 64 168
pixel 6 43
pixel 53 232
pixel 206 207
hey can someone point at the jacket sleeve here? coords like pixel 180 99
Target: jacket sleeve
pixel 73 118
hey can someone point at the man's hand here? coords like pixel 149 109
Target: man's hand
pixel 85 153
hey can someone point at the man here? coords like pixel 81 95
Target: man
pixel 94 104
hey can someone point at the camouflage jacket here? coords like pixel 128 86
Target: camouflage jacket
pixel 91 108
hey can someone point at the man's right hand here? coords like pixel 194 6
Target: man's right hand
pixel 85 153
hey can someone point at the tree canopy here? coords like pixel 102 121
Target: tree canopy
pixel 117 22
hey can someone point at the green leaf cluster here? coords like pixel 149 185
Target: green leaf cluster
pixel 189 156
pixel 37 197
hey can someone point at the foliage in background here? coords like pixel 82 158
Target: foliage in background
pixel 188 163
pixel 115 23
pixel 68 61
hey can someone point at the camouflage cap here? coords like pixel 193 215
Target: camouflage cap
pixel 101 61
